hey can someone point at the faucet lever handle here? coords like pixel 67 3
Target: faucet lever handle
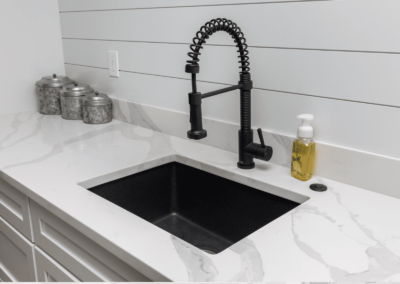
pixel 260 135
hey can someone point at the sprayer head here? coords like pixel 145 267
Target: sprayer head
pixel 305 130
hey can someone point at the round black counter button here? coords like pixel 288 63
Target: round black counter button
pixel 318 187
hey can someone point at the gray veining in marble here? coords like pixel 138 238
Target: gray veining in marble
pixel 17 122
pixel 198 264
pixel 58 148
pixel 382 263
pixel 251 262
pixel 134 114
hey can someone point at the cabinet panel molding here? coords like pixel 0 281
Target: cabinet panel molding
pixel 49 270
pixel 14 208
pixel 17 261
pixel 81 256
pixel 6 276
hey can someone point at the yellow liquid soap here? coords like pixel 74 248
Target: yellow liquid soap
pixel 303 156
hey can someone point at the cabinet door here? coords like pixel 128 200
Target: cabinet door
pixel 14 208
pixel 16 255
pixel 81 256
pixel 49 270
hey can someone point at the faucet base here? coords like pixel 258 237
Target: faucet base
pixel 197 135
pixel 245 161
pixel 245 167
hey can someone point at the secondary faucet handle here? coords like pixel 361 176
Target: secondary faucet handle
pixel 260 135
pixel 262 151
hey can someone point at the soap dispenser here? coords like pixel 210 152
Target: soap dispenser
pixel 303 153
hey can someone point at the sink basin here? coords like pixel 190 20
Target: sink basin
pixel 207 211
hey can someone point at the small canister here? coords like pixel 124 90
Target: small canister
pixel 71 100
pixel 48 90
pixel 97 108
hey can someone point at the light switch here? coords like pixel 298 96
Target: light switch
pixel 113 63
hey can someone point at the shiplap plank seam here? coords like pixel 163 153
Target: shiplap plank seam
pixel 333 74
pixel 282 26
pixel 285 92
pixel 271 110
pixel 231 45
pixel 196 6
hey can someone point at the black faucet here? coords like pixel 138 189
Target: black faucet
pixel 247 149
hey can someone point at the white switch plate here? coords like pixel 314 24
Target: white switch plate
pixel 113 65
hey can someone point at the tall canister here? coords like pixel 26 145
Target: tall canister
pixel 97 108
pixel 48 90
pixel 71 100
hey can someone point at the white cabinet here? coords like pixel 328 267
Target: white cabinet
pixel 49 270
pixel 36 244
pixel 81 256
pixel 14 208
pixel 16 255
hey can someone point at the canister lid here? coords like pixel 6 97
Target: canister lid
pixel 54 81
pixel 96 99
pixel 75 90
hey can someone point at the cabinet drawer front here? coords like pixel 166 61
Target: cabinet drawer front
pixel 49 270
pixel 16 255
pixel 81 256
pixel 5 276
pixel 14 208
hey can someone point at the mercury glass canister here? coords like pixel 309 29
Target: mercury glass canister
pixel 97 108
pixel 49 89
pixel 71 100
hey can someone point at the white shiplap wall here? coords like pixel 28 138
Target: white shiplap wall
pixel 339 60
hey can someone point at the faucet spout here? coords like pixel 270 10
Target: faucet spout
pixel 247 149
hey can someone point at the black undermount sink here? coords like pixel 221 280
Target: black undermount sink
pixel 207 211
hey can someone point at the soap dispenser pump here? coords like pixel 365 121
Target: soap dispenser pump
pixel 303 154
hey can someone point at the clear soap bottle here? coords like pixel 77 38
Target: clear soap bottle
pixel 303 153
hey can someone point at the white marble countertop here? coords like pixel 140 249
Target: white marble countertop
pixel 343 234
